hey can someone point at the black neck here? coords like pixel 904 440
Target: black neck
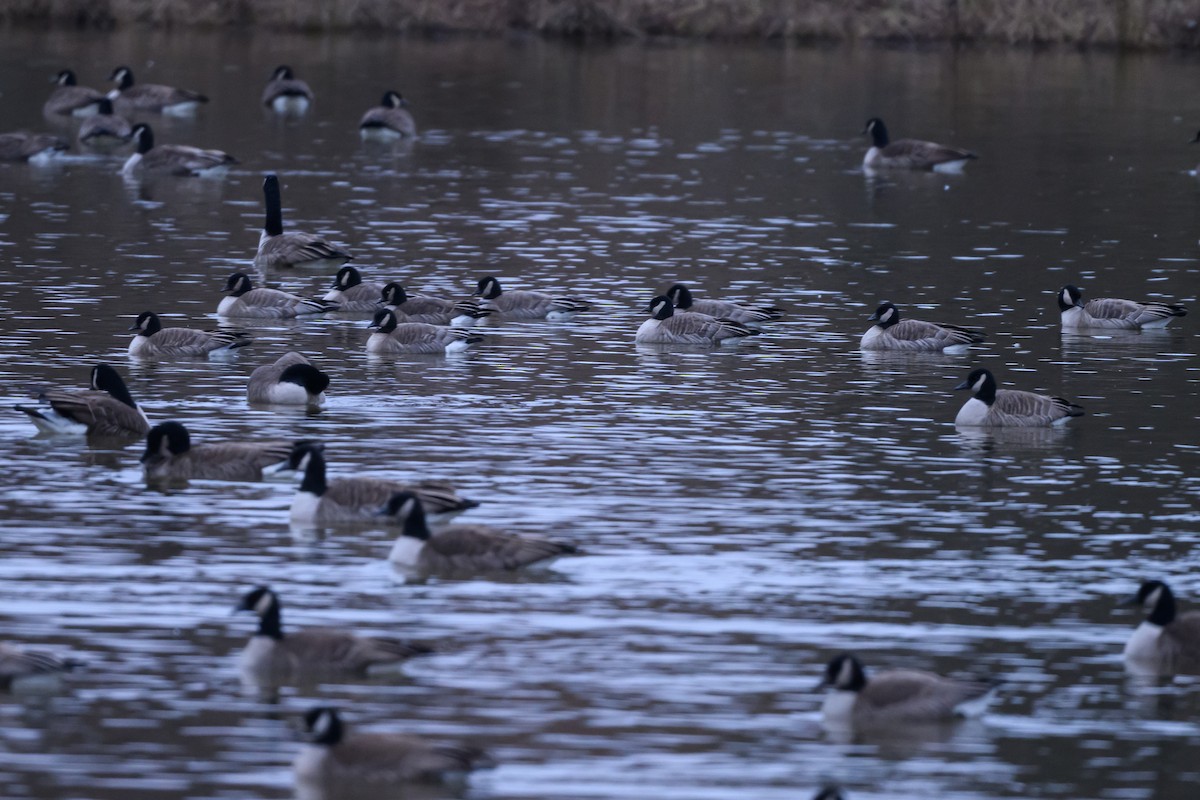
pixel 271 623
pixel 314 474
pixel 145 140
pixel 415 526
pixel 879 134
pixel 987 392
pixel 274 224
pixel 1163 612
pixel 109 381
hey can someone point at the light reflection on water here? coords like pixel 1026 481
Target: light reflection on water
pixel 745 513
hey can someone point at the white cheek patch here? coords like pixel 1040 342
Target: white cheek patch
pixel 264 603
pixel 845 674
pixel 303 465
pixel 978 385
pixel 322 724
pixel 891 312
pixel 1152 598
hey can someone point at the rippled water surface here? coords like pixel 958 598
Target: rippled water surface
pixel 745 513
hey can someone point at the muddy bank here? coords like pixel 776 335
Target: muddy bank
pixel 1139 24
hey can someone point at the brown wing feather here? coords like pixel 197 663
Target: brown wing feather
pixel 330 648
pixel 917 154
pixel 472 547
pixel 916 695
pixel 102 413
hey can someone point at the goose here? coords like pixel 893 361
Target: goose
pixel 351 294
pixel 173 159
pixel 71 99
pixel 433 310
pixel 19 665
pixel 461 548
pixel 1010 408
pixel 913 335
pixel 681 296
pixel 105 410
pixel 830 793
pixel 153 340
pixel 522 304
pixel 393 338
pixel 277 249
pixel 272 652
pixel 323 502
pixel 910 153
pixel 26 146
pixel 292 380
pixel 1166 642
pixel 285 93
pixel 897 696
pixel 339 760
pixel 389 120
pixel 152 97
pixel 1113 314
pixel 667 327
pixel 171 456
pixel 104 128
pixel 246 301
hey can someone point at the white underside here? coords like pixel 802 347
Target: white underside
pixel 462 321
pixel 90 110
pixel 304 507
pixel 458 346
pixel 377 134
pixel 406 551
pixel 290 104
pixel 131 164
pixel 951 167
pixel 45 157
pixel 561 315
pixel 181 109
pixel 53 422
pixel 292 394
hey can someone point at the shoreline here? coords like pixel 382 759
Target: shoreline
pixel 1108 24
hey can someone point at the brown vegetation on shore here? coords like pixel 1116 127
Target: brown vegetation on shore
pixel 1107 23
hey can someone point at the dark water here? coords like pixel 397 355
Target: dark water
pixel 746 513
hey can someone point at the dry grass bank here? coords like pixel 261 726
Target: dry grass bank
pixel 1107 23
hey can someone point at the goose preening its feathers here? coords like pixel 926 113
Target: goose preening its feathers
pixel 431 310
pixel 392 337
pixel 1010 408
pixel 1166 642
pixel 19 665
pixel 153 97
pixel 246 301
pixel 26 146
pixel 899 696
pixel 1113 314
pixel 521 304
pixel 285 93
pixel 71 99
pixel 155 341
pixel 389 120
pixel 173 159
pixel 913 335
pixel 682 299
pixel 291 381
pixel 277 249
pixel 352 294
pixel 910 153
pixel 105 410
pixel 105 128
pixel 667 327
pixel 171 456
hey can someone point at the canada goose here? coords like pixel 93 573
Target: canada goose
pixel 171 456
pixel 461 548
pixel 173 159
pixel 152 96
pixel 433 310
pixel 1010 408
pixel 681 297
pixel 897 696
pixel 1166 642
pixel 389 120
pixel 392 338
pixel 277 249
pixel 153 339
pixel 292 380
pixel 667 327
pixel 320 501
pixel 246 301
pixel 314 649
pixel 339 760
pixel 351 294
pixel 104 128
pixel 522 304
pixel 69 98
pixel 830 793
pixel 285 93
pixel 914 335
pixel 18 665
pixel 25 146
pixel 910 153
pixel 107 409
pixel 1107 312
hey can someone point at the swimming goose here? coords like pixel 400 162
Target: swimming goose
pixel 338 760
pixel 910 153
pixel 433 310
pixel 1166 642
pixel 1107 312
pixel 461 548
pixel 393 338
pixel 1010 408
pixel 246 301
pixel 270 651
pixel 26 146
pixel 173 159
pixel 351 294
pixel 521 304
pixel 324 502
pixel 681 297
pixel 69 98
pixel 17 665
pixel 897 696
pixel 292 380
pixel 171 456
pixel 914 335
pixel 153 340
pixel 277 249
pixel 389 120
pixel 667 327
pixel 107 409
pixel 104 128
pixel 285 93
pixel 154 97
